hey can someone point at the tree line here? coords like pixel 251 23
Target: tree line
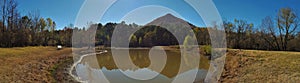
pixel 29 30
pixel 274 33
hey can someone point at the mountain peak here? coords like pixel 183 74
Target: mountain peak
pixel 167 20
pixel 168 15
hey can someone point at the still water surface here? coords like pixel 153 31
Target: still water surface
pixel 105 69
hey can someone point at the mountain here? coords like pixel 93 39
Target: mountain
pixel 172 27
pixel 169 20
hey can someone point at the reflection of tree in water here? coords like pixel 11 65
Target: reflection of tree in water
pixel 141 59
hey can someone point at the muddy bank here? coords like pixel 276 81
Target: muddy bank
pixel 61 72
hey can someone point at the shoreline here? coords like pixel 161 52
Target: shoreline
pixel 61 72
pixel 65 70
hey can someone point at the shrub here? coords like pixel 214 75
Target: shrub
pixel 207 49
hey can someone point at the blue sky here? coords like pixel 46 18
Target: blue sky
pixel 64 12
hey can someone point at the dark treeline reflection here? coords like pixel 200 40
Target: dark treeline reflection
pixel 141 59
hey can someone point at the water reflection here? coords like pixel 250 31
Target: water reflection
pixel 140 58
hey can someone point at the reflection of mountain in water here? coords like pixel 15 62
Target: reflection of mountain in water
pixel 141 59
pixel 116 76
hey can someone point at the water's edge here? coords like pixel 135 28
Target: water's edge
pixel 77 62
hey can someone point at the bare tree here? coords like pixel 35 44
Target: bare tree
pixel 269 33
pixel 9 21
pixel 287 22
pixel 242 28
pixel 34 16
pixel 3 13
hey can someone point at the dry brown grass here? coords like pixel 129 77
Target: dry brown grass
pixel 30 64
pixel 261 67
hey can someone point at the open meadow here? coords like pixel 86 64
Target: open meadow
pixel 31 64
pixel 261 66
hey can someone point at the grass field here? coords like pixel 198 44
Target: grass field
pixel 261 67
pixel 30 64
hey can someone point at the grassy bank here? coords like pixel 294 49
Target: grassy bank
pixel 262 66
pixel 30 64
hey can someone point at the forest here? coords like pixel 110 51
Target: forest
pixel 274 33
pixel 280 32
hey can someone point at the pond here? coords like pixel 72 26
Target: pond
pixel 145 69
